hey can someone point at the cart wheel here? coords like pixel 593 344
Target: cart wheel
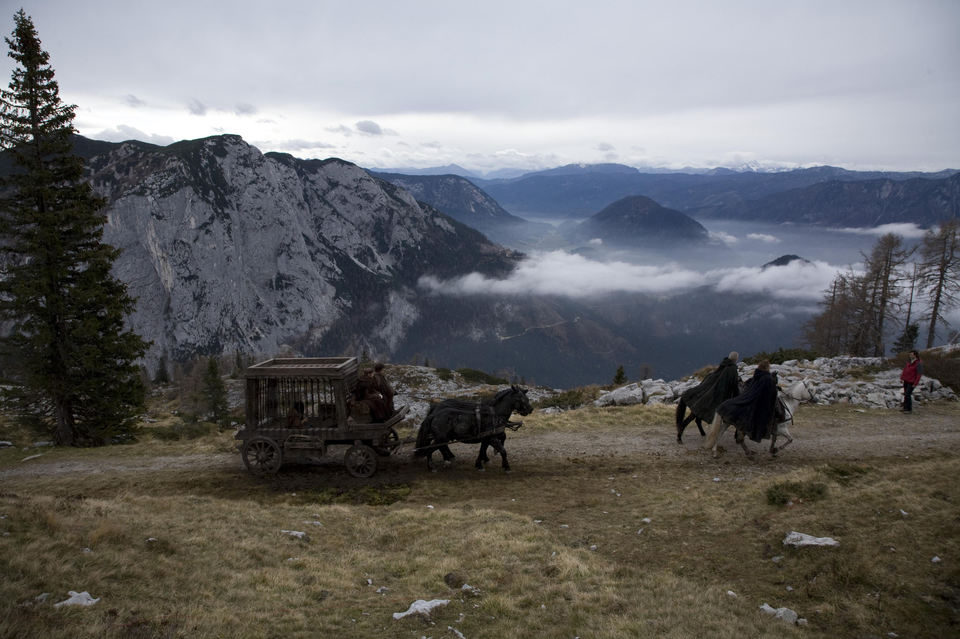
pixel 262 455
pixel 360 461
pixel 390 443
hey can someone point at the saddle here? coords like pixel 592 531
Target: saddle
pixel 779 411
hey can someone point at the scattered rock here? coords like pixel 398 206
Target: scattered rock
pixel 781 613
pixel 799 539
pixel 421 607
pixel 77 599
pixel 297 533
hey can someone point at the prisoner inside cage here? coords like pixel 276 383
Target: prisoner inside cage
pixel 318 388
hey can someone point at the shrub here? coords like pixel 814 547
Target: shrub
pixel 781 355
pixel 474 376
pixel 445 374
pixel 184 430
pixel 569 399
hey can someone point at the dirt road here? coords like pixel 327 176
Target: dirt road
pixel 822 434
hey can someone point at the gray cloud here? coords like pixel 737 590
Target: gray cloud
pixel 763 237
pixel 245 109
pixel 908 230
pixel 196 107
pixel 787 82
pixel 571 275
pixel 133 101
pixel 369 127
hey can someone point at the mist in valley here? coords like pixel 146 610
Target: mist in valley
pixel 667 310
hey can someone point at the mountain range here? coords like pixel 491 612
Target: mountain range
pixel 231 250
pixel 827 196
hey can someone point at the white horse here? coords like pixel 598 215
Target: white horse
pixel 790 398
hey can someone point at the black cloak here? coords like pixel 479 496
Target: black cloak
pixel 717 387
pixel 752 410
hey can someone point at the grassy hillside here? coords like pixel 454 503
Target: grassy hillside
pixel 605 529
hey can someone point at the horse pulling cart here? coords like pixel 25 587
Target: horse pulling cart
pixel 296 408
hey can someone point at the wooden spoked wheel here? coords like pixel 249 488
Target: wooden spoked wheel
pixel 360 460
pixel 262 456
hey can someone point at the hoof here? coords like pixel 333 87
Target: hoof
pixel 480 469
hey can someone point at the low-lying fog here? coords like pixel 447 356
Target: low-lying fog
pixel 681 307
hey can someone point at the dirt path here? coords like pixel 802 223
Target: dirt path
pixel 822 434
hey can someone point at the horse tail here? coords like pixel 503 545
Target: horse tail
pixel 681 410
pixel 424 435
pixel 715 429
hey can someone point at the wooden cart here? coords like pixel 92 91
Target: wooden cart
pixel 296 408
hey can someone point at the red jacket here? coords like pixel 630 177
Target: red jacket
pixel 912 372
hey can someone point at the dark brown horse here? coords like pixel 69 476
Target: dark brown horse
pixel 470 422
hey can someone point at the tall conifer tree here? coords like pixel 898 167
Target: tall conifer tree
pixel 71 363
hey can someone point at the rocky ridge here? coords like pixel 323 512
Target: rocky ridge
pixel 834 380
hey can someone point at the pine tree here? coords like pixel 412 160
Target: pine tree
pixel 907 341
pixel 215 393
pixel 163 375
pixel 620 377
pixel 75 375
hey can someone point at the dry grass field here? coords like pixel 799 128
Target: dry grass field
pixel 605 528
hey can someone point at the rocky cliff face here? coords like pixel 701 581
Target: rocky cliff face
pixel 229 250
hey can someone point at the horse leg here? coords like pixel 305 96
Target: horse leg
pixel 716 430
pixel 482 456
pixel 700 427
pixel 681 424
pixel 742 440
pixel 448 455
pixel 497 443
pixel 781 430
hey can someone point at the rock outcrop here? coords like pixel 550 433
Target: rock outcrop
pixel 834 380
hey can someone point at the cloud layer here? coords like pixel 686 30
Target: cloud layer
pixel 569 275
pixel 431 83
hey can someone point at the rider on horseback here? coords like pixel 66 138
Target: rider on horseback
pixel 752 412
pixel 703 399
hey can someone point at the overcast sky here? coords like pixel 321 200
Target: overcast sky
pixel 871 84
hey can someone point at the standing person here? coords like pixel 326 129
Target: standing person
pixel 703 399
pixel 910 377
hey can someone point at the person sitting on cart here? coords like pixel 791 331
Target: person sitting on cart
pixel 370 401
pixel 382 386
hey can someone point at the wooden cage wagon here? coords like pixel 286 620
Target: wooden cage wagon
pixel 296 408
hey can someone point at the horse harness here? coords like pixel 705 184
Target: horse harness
pixel 499 423
pixel 788 414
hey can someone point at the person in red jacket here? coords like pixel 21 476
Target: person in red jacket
pixel 910 377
